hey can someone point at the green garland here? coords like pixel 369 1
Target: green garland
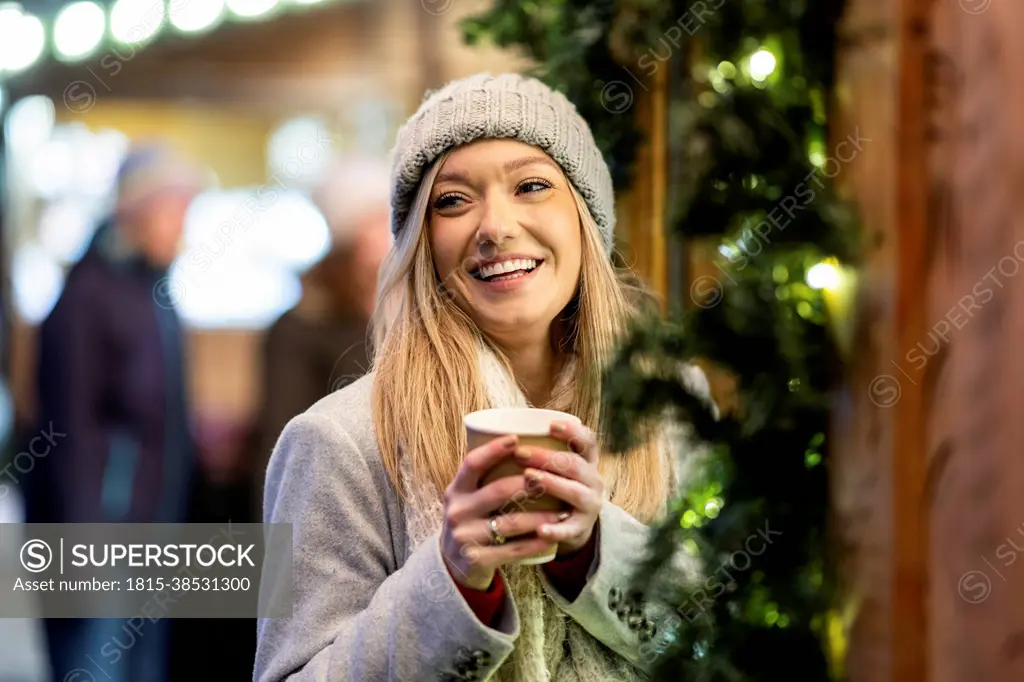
pixel 751 146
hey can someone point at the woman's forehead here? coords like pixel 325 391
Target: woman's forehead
pixel 500 154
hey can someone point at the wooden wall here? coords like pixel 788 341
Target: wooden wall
pixel 969 358
pixel 863 436
pixel 929 470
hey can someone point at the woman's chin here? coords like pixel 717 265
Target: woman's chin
pixel 510 321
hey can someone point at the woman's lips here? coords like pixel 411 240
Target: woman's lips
pixel 511 281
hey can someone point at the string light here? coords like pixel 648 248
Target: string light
pixel 78 30
pixel 761 64
pixel 251 8
pixel 22 38
pixel 823 275
pixel 79 27
pixel 136 21
pixel 193 17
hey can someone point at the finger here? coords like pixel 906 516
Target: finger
pixel 515 550
pixel 567 464
pixel 572 528
pixel 479 461
pixel 506 494
pixel 580 439
pixel 509 526
pixel 583 498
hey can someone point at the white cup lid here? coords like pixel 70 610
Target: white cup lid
pixel 521 421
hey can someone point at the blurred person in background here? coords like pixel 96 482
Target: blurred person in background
pixel 111 376
pixel 320 345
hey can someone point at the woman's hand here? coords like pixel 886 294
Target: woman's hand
pixel 467 542
pixel 569 476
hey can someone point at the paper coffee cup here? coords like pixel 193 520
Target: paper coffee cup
pixel 533 426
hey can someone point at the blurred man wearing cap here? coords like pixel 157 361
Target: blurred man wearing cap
pixel 320 345
pixel 111 376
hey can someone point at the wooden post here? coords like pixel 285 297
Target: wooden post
pixel 910 512
pixel 879 438
pixel 928 470
pixel 644 206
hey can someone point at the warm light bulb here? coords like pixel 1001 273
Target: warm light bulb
pixel 251 8
pixel 79 29
pixel 22 38
pixel 761 64
pixel 196 16
pixel 136 21
pixel 727 69
pixel 823 276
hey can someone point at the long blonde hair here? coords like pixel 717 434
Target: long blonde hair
pixel 426 368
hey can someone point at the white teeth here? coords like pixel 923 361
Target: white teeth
pixel 506 266
pixel 514 275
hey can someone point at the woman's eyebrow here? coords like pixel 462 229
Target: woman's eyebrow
pixel 451 176
pixel 509 167
pixel 516 164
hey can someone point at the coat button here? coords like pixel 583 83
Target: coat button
pixel 635 622
pixel 481 658
pixel 623 611
pixel 648 630
pixel 614 598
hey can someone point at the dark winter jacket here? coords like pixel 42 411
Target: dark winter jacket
pixel 306 355
pixel 111 376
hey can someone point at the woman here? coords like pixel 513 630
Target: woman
pixel 319 345
pixel 499 292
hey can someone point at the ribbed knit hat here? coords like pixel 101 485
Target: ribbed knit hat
pixel 152 168
pixel 354 187
pixel 512 106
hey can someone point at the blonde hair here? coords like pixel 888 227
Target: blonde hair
pixel 427 373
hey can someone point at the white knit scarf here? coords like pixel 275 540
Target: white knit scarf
pixel 551 646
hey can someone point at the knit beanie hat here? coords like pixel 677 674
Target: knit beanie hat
pixel 511 106
pixel 152 168
pixel 354 187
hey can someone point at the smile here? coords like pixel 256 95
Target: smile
pixel 506 270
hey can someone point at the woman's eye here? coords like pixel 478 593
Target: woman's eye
pixel 446 201
pixel 531 186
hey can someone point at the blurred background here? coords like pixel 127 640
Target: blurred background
pixel 194 206
pixel 280 104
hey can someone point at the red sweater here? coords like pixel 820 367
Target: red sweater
pixel 567 574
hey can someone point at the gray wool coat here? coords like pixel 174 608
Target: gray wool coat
pixel 366 607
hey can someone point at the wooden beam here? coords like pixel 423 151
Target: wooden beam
pixel 910 511
pixel 878 435
pixel 645 206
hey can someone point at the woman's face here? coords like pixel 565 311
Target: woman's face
pixel 505 236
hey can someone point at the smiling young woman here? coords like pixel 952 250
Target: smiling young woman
pixel 499 292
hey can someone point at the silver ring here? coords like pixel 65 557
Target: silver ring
pixel 496 537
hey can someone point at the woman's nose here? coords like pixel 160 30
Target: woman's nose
pixel 497 222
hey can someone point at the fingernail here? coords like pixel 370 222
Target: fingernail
pixel 509 441
pixel 522 454
pixel 562 516
pixel 533 476
pixel 557 427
